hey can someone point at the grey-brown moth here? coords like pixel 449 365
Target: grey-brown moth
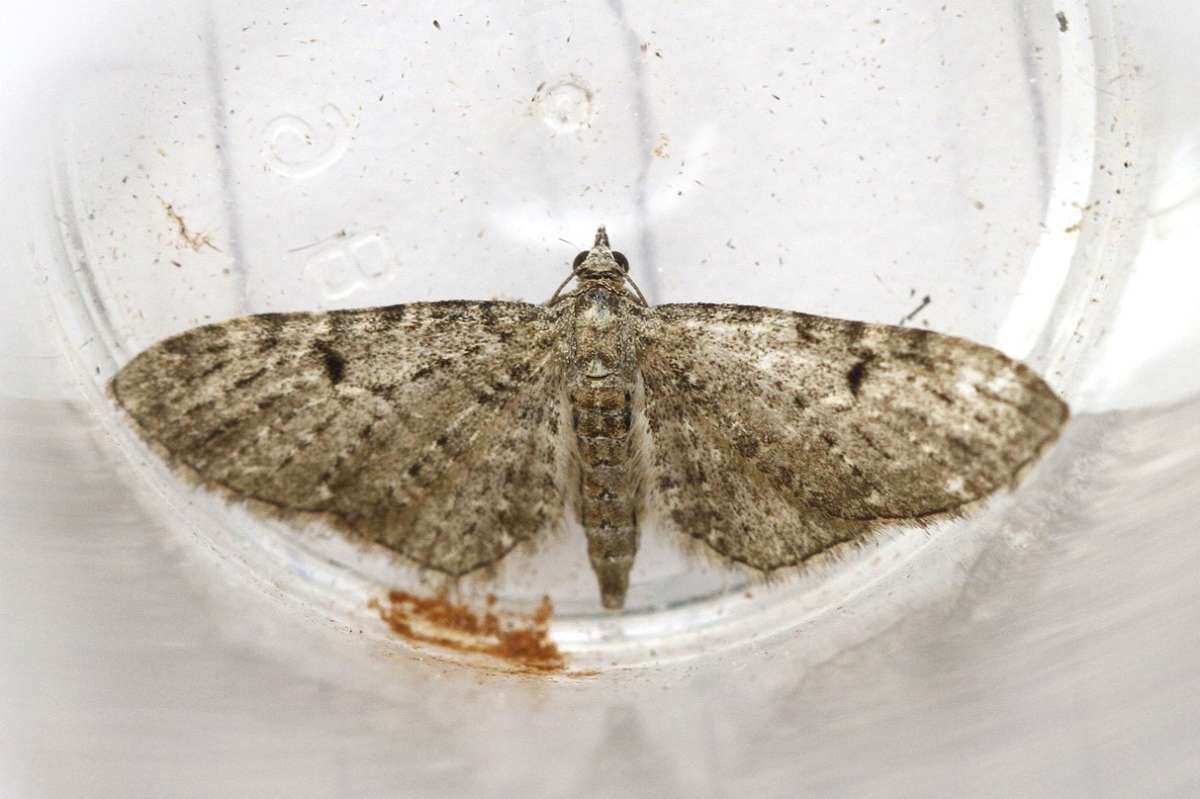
pixel 451 432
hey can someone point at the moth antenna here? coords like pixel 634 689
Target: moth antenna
pixel 558 290
pixel 641 297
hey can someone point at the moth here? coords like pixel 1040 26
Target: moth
pixel 452 432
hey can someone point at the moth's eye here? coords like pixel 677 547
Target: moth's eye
pixel 578 260
pixel 621 260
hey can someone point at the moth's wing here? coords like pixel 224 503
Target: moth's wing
pixel 431 428
pixel 775 436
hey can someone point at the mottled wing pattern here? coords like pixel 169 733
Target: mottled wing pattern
pixel 431 428
pixel 776 435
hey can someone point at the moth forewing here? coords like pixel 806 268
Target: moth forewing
pixel 778 436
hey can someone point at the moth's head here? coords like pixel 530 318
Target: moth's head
pixel 601 259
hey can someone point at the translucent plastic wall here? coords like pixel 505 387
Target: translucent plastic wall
pixel 1023 174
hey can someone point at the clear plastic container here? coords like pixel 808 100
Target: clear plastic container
pixel 1022 175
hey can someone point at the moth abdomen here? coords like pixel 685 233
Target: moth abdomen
pixel 611 551
pixel 602 372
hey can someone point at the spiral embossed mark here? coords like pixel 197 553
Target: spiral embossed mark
pixel 298 149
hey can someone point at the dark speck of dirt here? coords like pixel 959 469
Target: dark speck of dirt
pixel 908 317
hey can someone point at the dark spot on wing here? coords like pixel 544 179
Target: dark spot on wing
pixel 335 363
pixel 855 377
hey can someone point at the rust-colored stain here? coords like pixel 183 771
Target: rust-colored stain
pixel 521 641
